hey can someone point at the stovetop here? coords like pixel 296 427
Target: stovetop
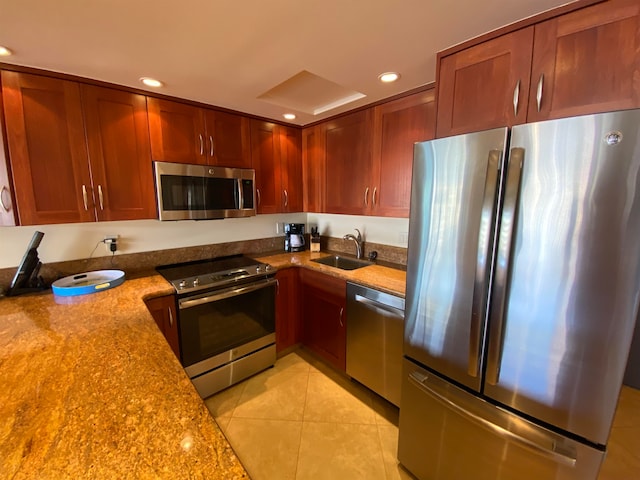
pixel 215 273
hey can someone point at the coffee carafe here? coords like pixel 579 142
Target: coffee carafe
pixel 294 237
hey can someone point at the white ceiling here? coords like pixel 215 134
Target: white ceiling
pixel 230 52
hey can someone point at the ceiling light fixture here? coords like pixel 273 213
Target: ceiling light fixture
pixel 388 77
pixel 289 116
pixel 5 52
pixel 151 82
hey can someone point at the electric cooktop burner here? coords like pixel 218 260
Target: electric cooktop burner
pixel 215 273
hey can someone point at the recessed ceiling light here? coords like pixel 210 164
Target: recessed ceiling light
pixel 5 52
pixel 389 77
pixel 151 82
pixel 289 116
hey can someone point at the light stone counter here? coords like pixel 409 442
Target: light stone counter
pixel 387 279
pixel 91 390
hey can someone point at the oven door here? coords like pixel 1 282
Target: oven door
pixel 220 326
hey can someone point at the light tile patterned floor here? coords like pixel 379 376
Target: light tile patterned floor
pixel 300 420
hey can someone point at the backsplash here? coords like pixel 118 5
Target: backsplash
pixel 137 264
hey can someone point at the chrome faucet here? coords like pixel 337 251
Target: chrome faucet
pixel 358 241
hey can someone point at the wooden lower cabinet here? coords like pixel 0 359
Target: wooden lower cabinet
pixel 288 324
pixel 163 311
pixel 323 316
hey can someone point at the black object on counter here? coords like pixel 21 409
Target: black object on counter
pixel 26 279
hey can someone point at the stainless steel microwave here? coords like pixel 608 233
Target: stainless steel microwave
pixel 203 192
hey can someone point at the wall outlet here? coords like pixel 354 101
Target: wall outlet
pixel 111 242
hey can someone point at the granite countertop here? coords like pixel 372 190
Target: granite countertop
pixel 90 389
pixel 381 277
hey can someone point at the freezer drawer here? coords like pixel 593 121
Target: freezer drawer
pixel 447 433
pixel 375 322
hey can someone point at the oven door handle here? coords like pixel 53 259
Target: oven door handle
pixel 232 292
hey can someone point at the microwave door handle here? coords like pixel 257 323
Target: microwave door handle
pixel 240 195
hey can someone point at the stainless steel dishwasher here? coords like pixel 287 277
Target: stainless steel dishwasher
pixel 375 322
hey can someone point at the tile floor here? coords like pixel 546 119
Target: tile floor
pixel 302 420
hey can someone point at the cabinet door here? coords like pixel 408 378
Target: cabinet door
pixel 163 311
pixel 47 151
pixel 288 327
pixel 7 210
pixel 313 169
pixel 177 132
pixel 485 86
pixel 348 187
pixel 398 125
pixel 119 153
pixel 587 61
pixel 228 143
pixel 324 302
pixel 291 168
pixel 265 156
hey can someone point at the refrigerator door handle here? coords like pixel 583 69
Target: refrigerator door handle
pixel 481 284
pixel 550 450
pixel 505 241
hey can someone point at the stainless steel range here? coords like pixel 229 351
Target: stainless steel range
pixel 226 319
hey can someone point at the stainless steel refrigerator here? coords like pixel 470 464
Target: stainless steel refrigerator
pixel 523 283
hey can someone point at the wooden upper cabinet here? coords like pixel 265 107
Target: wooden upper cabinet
pixel 228 139
pixel 183 133
pixel 119 153
pixel 398 125
pixel 485 86
pixel 291 168
pixel 7 202
pixel 177 132
pixel 587 61
pixel 47 151
pixel 276 158
pixel 313 169
pixel 347 143
pixel 265 155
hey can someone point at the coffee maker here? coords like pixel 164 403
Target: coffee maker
pixel 293 237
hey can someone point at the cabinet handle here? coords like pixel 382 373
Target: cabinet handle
pixel 201 144
pixel 286 198
pixel 100 197
pixel 366 197
pixel 211 146
pixel 170 317
pixel 258 193
pixel 539 91
pixel 84 197
pixel 341 312
pixel 373 198
pixel 4 206
pixel 516 98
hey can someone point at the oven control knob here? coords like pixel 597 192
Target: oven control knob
pixel 258 268
pixel 196 282
pixel 267 268
pixel 182 284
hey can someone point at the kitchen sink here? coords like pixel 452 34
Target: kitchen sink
pixel 344 263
